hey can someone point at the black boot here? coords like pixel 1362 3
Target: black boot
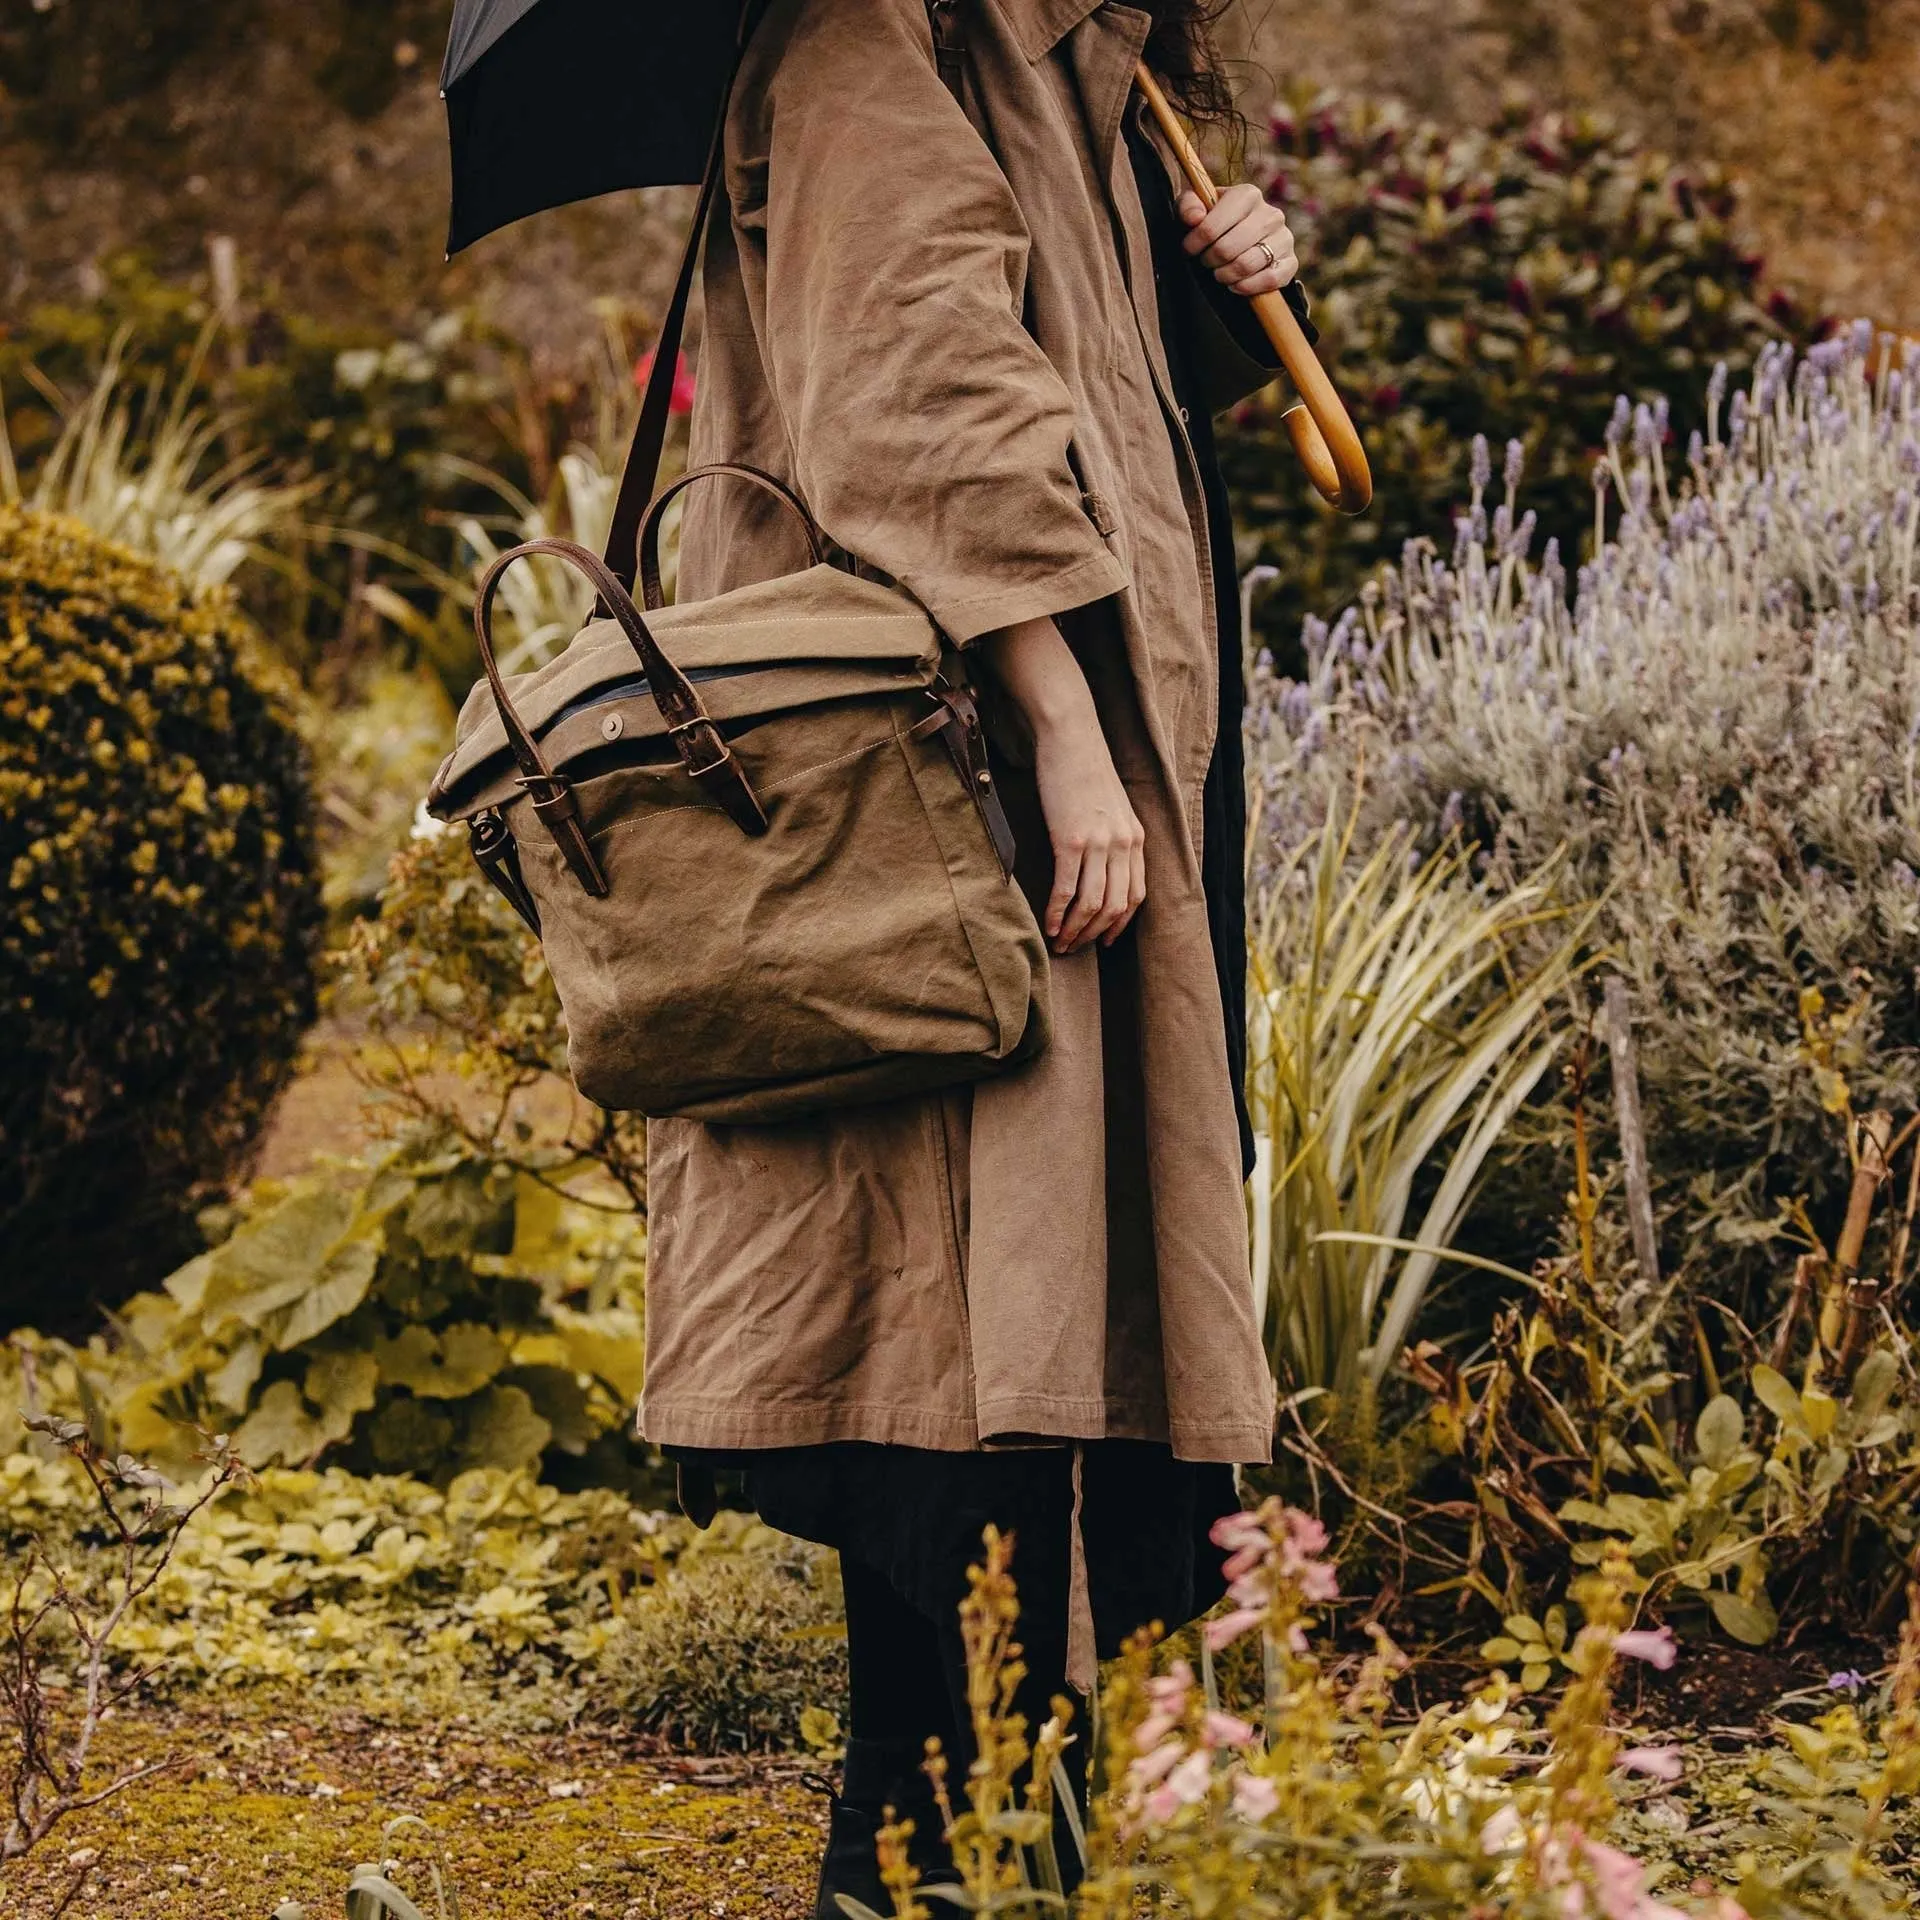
pixel 879 1774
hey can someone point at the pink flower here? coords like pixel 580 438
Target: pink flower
pixel 1152 1730
pixel 1305 1533
pixel 1662 1763
pixel 1254 1796
pixel 1241 1563
pixel 1620 1885
pixel 1185 1784
pixel 1238 1530
pixel 1229 1627
pixel 681 398
pixel 1151 1768
pixel 1168 1691
pixel 1656 1646
pixel 1318 1581
pixel 1226 1730
pixel 1189 1781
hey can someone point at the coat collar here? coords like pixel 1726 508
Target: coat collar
pixel 1040 25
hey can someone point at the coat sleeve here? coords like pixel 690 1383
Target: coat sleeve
pixel 929 434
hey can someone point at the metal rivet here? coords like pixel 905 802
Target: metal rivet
pixel 985 779
pixel 612 726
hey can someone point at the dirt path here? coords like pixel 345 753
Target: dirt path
pixel 267 1809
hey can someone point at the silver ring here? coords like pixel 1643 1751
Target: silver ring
pixel 1273 259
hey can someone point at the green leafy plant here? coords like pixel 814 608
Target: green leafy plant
pixel 157 949
pixel 408 1315
pixel 1393 1033
pixel 1508 281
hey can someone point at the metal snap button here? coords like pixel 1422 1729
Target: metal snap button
pixel 613 726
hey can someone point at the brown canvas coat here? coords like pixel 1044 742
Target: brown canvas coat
pixel 940 326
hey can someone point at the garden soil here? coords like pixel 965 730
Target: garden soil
pixel 260 1809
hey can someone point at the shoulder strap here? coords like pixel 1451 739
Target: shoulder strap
pixel 949 46
pixel 642 470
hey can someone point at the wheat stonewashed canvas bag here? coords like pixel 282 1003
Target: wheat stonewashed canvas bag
pixel 757 835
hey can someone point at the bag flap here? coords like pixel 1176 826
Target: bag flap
pixel 824 617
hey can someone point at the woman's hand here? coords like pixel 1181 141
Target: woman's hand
pixel 1099 846
pixel 1244 239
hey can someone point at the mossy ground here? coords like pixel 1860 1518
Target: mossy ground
pixel 276 1805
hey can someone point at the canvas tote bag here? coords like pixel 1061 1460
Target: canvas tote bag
pixel 758 835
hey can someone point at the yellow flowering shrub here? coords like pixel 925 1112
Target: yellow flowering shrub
pixel 160 907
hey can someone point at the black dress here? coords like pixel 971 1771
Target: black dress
pixel 915 1516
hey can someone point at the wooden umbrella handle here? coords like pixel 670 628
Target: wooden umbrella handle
pixel 1321 430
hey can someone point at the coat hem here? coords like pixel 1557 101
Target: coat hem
pixel 1094 578
pixel 727 1427
pixel 731 1427
pixel 1235 1443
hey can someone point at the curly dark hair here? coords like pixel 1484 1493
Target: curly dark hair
pixel 1182 51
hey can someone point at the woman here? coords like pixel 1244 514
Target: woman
pixel 958 308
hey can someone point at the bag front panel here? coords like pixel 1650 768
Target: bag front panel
pixel 828 953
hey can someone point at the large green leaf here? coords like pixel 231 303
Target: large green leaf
pixel 341 1385
pixel 333 1293
pixel 467 1211
pixel 504 1431
pixel 281 1427
pixel 559 1399
pixel 1776 1394
pixel 444 1366
pixel 1750 1621
pixel 232 1382
pixel 1873 1385
pixel 410 1436
pixel 1719 1430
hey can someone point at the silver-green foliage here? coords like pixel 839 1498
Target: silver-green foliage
pixel 1720 730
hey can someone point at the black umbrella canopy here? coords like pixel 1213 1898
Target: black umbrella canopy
pixel 556 100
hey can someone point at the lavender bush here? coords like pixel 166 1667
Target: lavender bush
pixel 1720 728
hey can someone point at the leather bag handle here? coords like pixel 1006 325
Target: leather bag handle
pixel 703 750
pixel 654 597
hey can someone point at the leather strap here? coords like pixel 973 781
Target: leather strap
pixel 642 470
pixel 653 596
pixel 949 46
pixel 497 856
pixel 957 721
pixel 703 751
